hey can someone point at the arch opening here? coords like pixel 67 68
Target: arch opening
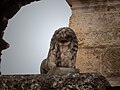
pixel 29 33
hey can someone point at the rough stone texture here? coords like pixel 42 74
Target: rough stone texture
pixel 97 26
pixel 111 62
pixel 62 52
pixel 107 8
pixel 75 81
pixel 8 8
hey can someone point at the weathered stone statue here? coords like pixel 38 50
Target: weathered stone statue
pixel 62 52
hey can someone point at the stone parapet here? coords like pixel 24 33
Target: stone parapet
pixel 74 81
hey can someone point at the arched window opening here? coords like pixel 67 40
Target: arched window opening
pixel 29 33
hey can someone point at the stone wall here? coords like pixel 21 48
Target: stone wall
pixel 97 26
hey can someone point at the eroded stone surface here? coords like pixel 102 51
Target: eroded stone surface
pixel 97 29
pixel 88 59
pixel 111 62
pixel 75 81
pixel 97 26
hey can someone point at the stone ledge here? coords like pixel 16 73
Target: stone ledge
pixel 74 81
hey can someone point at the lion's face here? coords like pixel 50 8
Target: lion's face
pixel 64 36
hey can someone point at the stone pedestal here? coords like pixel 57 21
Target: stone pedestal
pixel 63 70
pixel 97 26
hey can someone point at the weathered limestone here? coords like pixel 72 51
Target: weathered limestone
pixel 75 81
pixel 62 53
pixel 97 26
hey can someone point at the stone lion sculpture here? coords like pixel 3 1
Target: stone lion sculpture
pixel 62 52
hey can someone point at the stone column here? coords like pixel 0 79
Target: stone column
pixel 97 26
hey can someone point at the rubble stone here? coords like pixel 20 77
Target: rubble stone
pixel 74 81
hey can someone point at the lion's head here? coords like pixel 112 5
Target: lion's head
pixel 64 36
